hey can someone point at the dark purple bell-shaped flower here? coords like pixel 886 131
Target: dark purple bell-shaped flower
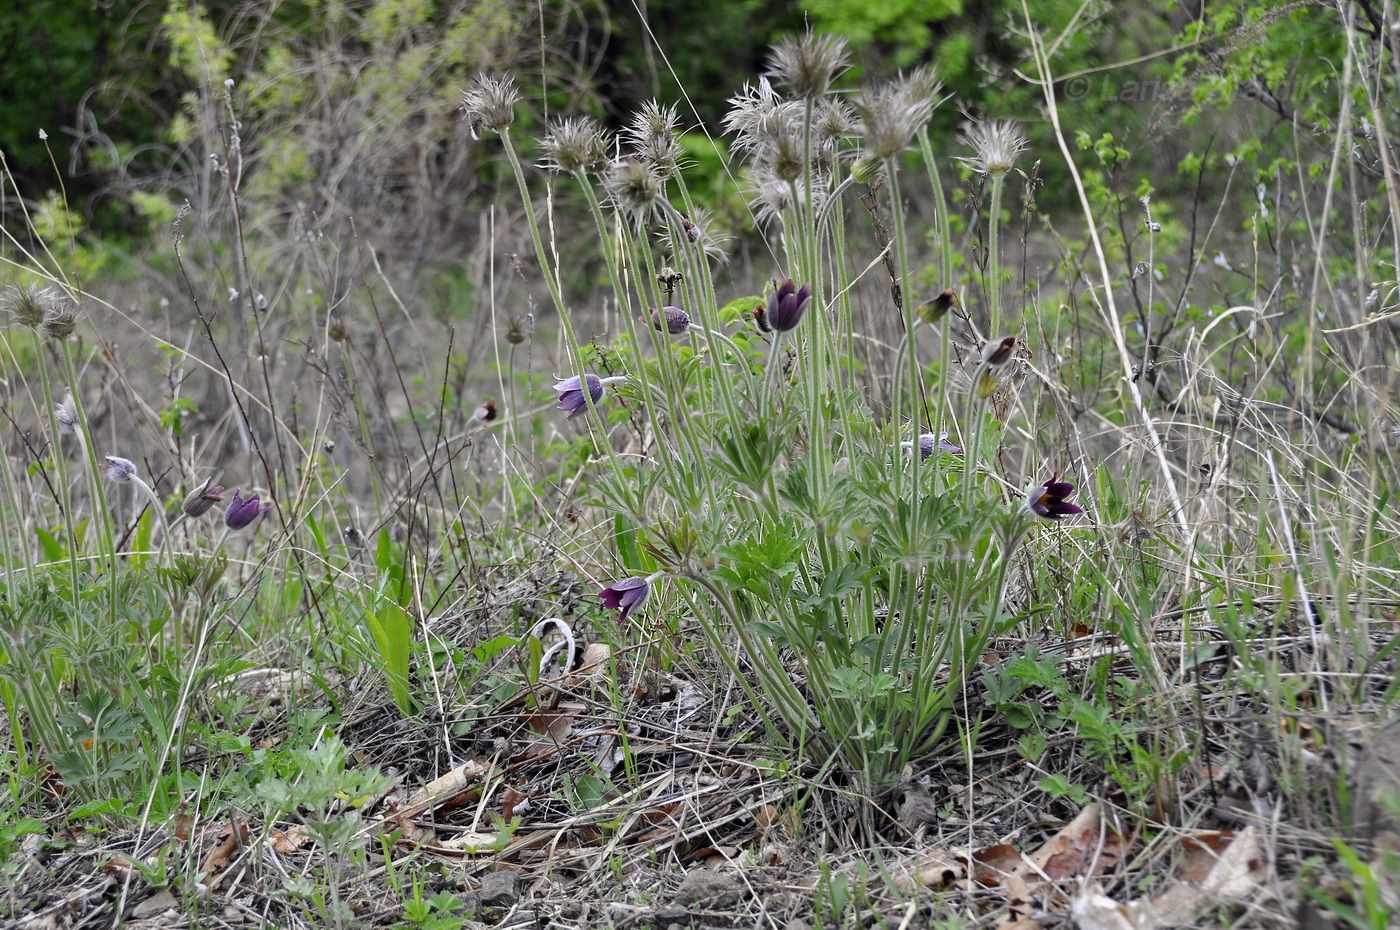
pixel 242 511
pixel 786 304
pixel 625 596
pixel 1050 500
pixel 571 399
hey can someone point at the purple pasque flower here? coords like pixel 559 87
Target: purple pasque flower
pixel 786 304
pixel 1050 500
pixel 242 511
pixel 118 470
pixel 929 444
pixel 571 399
pixel 625 596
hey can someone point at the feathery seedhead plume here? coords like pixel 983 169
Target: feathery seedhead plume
pixel 577 145
pixel 28 305
pixel 65 415
pixel 758 118
pixel 633 185
pixel 570 390
pixel 198 501
pixel 60 320
pixel 893 112
pixel 807 65
pixel 833 121
pixel 996 144
pixel 652 135
pixel 118 470
pixel 489 104
pixel 700 229
pixel 241 511
pixel 672 320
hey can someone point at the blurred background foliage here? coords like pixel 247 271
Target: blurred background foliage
pixel 346 108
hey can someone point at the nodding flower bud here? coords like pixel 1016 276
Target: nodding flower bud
pixel 760 317
pixel 938 308
pixel 241 511
pixel 198 501
pixel 489 104
pixel 65 415
pixel 485 412
pixel 672 320
pixel 118 470
pixel 786 304
pixel 998 351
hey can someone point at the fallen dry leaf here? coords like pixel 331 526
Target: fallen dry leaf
pixel 1234 874
pixel 235 836
pixel 285 842
pixel 929 869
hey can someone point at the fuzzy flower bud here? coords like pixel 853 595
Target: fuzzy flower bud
pixel 998 351
pixel 118 470
pixel 65 415
pixel 198 501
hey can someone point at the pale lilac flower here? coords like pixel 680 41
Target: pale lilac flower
pixel 570 390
